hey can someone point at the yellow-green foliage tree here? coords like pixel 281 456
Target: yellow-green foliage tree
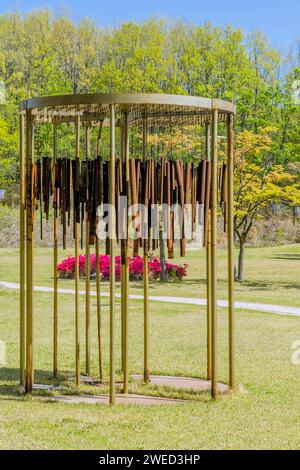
pixel 258 181
pixel 8 152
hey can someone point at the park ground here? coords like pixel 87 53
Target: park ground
pixel 264 413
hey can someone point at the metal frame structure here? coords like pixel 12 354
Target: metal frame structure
pixel 121 110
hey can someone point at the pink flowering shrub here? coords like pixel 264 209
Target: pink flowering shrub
pixel 66 268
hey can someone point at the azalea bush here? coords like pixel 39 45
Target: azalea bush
pixel 66 268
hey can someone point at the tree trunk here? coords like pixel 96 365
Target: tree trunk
pixel 240 274
pixel 294 215
pixel 163 272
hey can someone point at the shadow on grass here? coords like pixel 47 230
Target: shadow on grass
pixel 293 256
pixel 10 388
pixel 257 285
pixel 260 285
pixel 10 377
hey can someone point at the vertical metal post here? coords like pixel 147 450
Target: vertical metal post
pixel 145 276
pixel 208 296
pixel 122 279
pixel 22 249
pixel 77 333
pixel 98 288
pixel 29 252
pixel 146 314
pixel 55 261
pixel 87 269
pixel 112 255
pixel 99 313
pixel 126 263
pixel 214 157
pixel 122 243
pixel 208 263
pixel 230 235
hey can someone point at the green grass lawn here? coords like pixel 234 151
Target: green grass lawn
pixel 272 275
pixel 265 414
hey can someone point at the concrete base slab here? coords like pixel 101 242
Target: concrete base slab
pixel 46 387
pixel 188 383
pixel 87 380
pixel 120 399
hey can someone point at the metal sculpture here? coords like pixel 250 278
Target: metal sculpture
pixel 76 186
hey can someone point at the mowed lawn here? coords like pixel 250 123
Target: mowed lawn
pixel 272 275
pixel 265 413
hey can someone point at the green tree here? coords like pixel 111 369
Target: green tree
pixel 258 181
pixel 8 152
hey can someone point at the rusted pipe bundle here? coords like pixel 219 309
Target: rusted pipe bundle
pixel 84 186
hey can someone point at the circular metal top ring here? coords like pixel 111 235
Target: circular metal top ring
pixel 141 100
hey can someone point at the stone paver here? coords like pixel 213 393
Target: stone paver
pixel 188 383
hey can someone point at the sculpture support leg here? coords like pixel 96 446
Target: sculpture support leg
pixel 22 250
pixel 126 259
pixel 99 313
pixel 230 235
pixel 146 315
pixel 207 241
pixel 87 274
pixel 29 252
pixel 214 158
pixel 112 379
pixel 55 261
pixel 77 333
pixel 208 298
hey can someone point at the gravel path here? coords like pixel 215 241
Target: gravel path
pixel 269 308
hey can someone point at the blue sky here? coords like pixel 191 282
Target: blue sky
pixel 277 19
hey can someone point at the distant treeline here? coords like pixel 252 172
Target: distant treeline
pixel 44 54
